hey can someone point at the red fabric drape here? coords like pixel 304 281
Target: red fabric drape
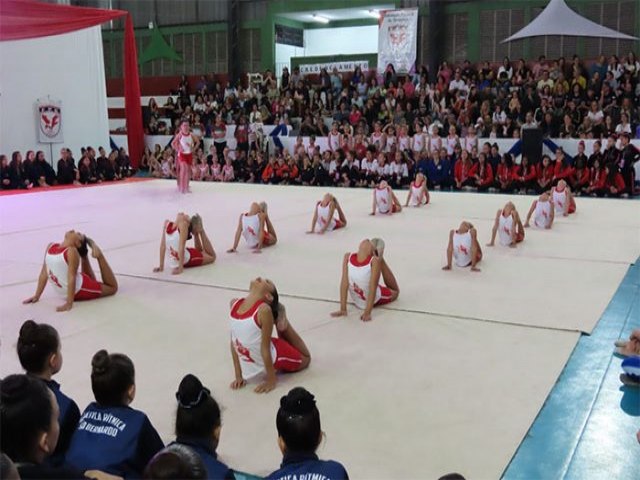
pixel 133 111
pixel 23 19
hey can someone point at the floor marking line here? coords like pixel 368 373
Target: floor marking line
pixel 326 300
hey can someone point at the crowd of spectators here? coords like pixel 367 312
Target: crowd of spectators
pixel 566 99
pixel 33 170
pixel 391 126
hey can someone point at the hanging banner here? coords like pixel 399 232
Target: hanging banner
pixel 397 39
pixel 346 66
pixel 49 121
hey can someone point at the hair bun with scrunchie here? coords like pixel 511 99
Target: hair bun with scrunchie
pixel 298 402
pixel 191 392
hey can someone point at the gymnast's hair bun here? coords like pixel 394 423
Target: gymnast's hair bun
pixel 298 402
pixel 28 332
pixel 100 362
pixel 15 389
pixel 191 392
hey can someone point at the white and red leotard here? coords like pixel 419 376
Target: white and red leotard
pixel 246 338
pixel 359 277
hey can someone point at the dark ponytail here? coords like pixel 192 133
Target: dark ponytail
pixel 112 375
pixel 83 249
pixel 36 343
pixel 298 421
pixel 275 303
pixel 198 414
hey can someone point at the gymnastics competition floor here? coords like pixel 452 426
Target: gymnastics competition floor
pixel 449 378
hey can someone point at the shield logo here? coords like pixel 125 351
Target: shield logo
pixel 50 120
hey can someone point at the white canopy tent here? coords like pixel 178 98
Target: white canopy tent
pixel 558 19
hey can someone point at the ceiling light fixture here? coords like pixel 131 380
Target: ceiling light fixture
pixel 319 19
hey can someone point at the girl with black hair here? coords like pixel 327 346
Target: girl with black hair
pixel 17 172
pixel 299 435
pixel 198 425
pixel 60 266
pixel 112 436
pixel 614 183
pixel 173 244
pixel 176 462
pixel 253 349
pixel 29 429
pixel 40 356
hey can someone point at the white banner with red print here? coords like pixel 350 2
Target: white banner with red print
pixel 49 121
pixel 397 39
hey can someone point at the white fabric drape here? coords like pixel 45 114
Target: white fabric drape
pixel 69 68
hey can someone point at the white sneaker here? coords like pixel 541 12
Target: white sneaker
pixel 378 245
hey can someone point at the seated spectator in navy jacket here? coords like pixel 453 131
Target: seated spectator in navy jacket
pixel 112 436
pixel 438 171
pixel 40 356
pixel 422 165
pixel 299 435
pixel 198 426
pixel 29 429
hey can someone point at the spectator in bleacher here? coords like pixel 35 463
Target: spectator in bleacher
pixel 17 173
pixel 67 171
pixel 45 170
pixel 145 160
pixel 219 134
pixel 614 181
pixel 624 126
pixel 5 175
pixel 631 64
pixel 505 73
pixel 628 157
pixel 482 173
pixel 611 153
pixel 462 171
pixel 608 128
pixel 169 109
pixel 389 77
pixel 615 67
pixel 241 135
pixel 504 174
pixel 544 174
pixel 579 180
pixel 124 163
pixel 87 172
pixel 28 168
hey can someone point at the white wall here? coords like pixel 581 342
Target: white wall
pixel 67 67
pixel 283 56
pixel 341 41
pixel 329 41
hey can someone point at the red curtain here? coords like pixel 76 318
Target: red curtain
pixel 23 19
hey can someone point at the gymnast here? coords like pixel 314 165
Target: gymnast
pixel 464 247
pixel 60 266
pixel 508 226
pixel 254 350
pixel 361 272
pixel 323 215
pixel 256 228
pixel 174 240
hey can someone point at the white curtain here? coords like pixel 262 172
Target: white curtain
pixel 69 68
